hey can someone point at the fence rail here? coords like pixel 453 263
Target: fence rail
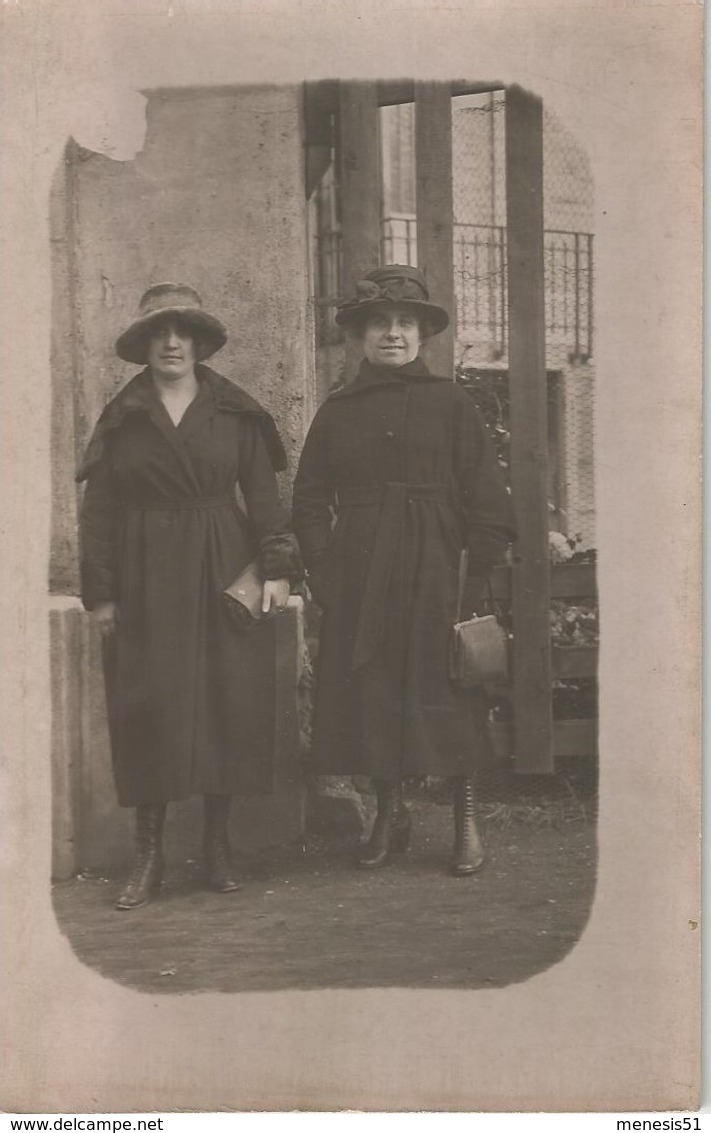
pixel 480 281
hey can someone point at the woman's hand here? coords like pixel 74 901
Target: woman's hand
pixel 474 591
pixel 275 595
pixel 105 616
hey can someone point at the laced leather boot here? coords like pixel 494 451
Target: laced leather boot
pixel 218 858
pixel 391 829
pixel 468 855
pixel 147 873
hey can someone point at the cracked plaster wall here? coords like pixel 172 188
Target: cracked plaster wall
pixel 215 198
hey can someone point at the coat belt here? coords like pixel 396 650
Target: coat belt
pixel 190 503
pixel 393 499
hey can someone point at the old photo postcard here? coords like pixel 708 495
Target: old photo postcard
pixel 394 311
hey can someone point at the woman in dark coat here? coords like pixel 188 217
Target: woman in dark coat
pixel 401 457
pixel 190 694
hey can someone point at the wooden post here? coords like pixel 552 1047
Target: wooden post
pixel 360 192
pixel 533 743
pixel 319 99
pixel 435 210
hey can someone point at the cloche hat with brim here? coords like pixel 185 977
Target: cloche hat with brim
pixel 394 283
pixel 164 301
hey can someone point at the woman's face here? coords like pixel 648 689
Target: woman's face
pixel 171 351
pixel 392 337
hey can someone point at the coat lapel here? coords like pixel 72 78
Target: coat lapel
pixel 372 377
pixel 145 397
pixel 161 419
pixel 200 410
pixel 230 398
pixel 215 394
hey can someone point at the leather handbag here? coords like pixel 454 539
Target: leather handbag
pixel 244 597
pixel 479 652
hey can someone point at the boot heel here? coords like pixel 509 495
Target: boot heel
pixel 136 894
pixel 219 873
pixel 468 856
pixel 463 869
pixel 146 877
pixel 390 835
pixel 400 837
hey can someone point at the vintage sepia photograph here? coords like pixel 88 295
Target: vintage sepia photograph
pixel 324 549
pixel 385 300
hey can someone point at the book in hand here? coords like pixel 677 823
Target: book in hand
pixel 243 597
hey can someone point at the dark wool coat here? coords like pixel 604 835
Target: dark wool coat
pixel 403 460
pixel 190 694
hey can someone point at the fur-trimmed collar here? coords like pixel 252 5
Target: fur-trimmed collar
pixel 370 375
pixel 139 395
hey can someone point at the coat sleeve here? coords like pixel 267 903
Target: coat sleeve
pixel 278 552
pixel 486 506
pixel 98 522
pixel 314 494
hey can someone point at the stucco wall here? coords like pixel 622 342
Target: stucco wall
pixel 215 198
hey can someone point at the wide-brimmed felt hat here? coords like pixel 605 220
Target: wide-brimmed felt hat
pixel 394 283
pixel 164 301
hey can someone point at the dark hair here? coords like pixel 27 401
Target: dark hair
pixel 184 325
pixel 360 319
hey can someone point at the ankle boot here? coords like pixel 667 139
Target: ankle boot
pixel 218 858
pixel 468 856
pixel 147 873
pixel 391 829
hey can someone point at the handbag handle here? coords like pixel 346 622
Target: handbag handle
pixel 461 583
pixel 463 569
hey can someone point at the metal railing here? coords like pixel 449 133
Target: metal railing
pixel 480 281
pixel 569 290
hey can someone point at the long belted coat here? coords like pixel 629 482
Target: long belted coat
pixel 402 459
pixel 191 696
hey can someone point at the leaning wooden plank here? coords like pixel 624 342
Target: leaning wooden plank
pixel 570 738
pixel 574 661
pixel 567 580
pixel 574 737
pixel 574 580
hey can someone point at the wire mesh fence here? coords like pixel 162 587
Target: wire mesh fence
pixel 480 255
pixel 570 344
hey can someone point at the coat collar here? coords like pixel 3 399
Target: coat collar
pixel 215 394
pixel 370 376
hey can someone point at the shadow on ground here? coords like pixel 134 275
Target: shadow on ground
pixel 306 918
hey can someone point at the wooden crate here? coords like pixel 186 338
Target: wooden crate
pixel 568 580
pixel 574 661
pixel 570 737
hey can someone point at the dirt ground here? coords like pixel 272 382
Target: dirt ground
pixel 307 918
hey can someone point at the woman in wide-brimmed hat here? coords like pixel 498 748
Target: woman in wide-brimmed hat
pixel 403 459
pixel 190 694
